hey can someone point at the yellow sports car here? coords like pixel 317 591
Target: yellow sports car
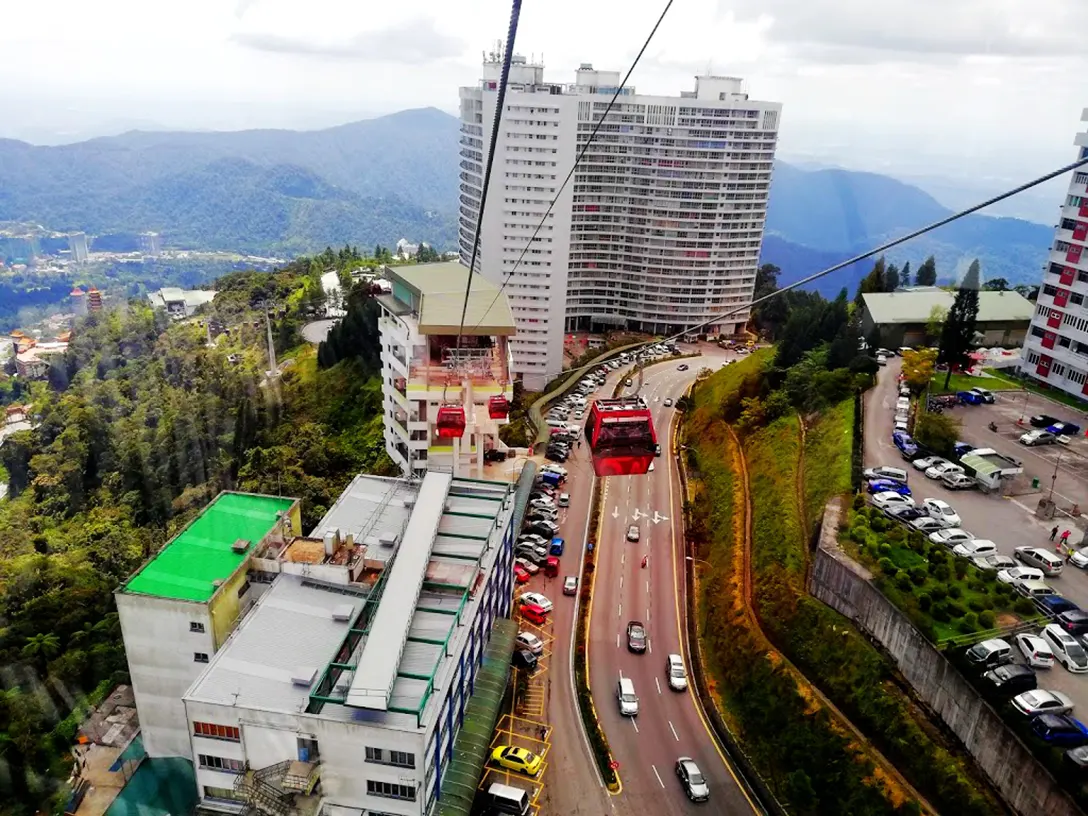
pixel 517 759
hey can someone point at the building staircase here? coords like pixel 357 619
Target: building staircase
pixel 263 789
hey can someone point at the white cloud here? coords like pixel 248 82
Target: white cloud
pixel 978 87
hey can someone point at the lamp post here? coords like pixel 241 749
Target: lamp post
pixel 1054 475
pixel 694 561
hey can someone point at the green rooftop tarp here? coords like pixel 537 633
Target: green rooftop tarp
pixel 187 568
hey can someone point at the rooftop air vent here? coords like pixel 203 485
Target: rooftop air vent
pixel 342 612
pixel 371 541
pixel 240 546
pixel 388 538
pixel 303 676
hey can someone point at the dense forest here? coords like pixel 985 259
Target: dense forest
pixel 136 429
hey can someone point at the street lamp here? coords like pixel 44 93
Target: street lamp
pixel 1054 475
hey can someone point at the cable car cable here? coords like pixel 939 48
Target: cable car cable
pixel 577 161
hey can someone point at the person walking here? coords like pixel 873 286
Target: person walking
pixel 1064 542
pixel 1054 532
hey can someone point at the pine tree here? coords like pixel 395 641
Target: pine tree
pixel 971 280
pixel 927 272
pixel 873 282
pixel 958 332
pixel 891 278
pixel 904 275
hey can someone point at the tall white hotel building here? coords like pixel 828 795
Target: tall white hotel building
pixel 659 229
pixel 1056 349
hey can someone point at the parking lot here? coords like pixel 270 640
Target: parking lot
pixel 1010 520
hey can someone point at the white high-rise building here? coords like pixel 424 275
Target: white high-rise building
pixel 659 229
pixel 1056 349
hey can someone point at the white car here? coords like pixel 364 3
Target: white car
pixel 1042 701
pixel 994 562
pixel 890 498
pixel 632 533
pixel 1015 574
pixel 926 524
pixel 976 548
pixel 1067 650
pixel 951 536
pixel 927 462
pixel 1032 438
pixel 676 673
pixel 1079 558
pixel 1035 650
pixel 561 472
pixel 543 502
pixel 942 511
pixel 937 471
pixel 529 641
pixel 536 598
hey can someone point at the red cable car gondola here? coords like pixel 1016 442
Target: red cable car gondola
pixel 622 437
pixel 450 422
pixel 498 407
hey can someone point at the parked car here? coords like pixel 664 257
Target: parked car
pixel 958 481
pixel 529 641
pixel 1059 729
pixel 1075 622
pixel 951 536
pixel 524 659
pixel 927 524
pixel 989 654
pixel 536 599
pixel 969 398
pixel 888 486
pixel 1035 650
pixel 904 512
pixel 994 562
pixel 926 462
pixel 1064 429
pixel 974 549
pixel 891 499
pixel 521 576
pixel 1054 605
pixel 1050 564
pixel 1035 438
pixel 885 472
pixel 527 565
pixel 636 637
pixel 517 759
pixel 905 444
pixel 943 511
pixel 1042 701
pixel 692 779
pixel 1041 421
pixel 937 471
pixel 1015 574
pixel 1079 558
pixel 1010 680
pixel 1067 650
pixel 494 455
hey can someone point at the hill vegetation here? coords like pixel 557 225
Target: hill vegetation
pixel 141 424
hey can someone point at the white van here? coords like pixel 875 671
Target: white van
pixel 1034 589
pixel 989 653
pixel 902 404
pixel 628 700
pixel 508 799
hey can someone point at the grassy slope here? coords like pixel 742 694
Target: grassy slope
pixel 851 672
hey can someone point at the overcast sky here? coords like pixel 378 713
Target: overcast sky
pixel 977 91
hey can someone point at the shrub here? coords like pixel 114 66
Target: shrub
pixel 918 575
pixel 939 593
pixel 937 555
pixel 978 604
pixel 859 501
pixel 858 533
pixel 886 566
pixel 954 591
pixel 885 549
pixel 1023 606
pixel 960 566
pixel 941 573
pixel 969 622
pixel 902 580
pixel 896 535
pixel 939 613
pixel 878 523
pixel 917 542
pixel 986 619
pixel 955 609
pixel 1003 590
pixel 925 601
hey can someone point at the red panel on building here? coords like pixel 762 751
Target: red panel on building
pixel 1080 231
pixel 1085 389
pixel 1043 369
pixel 1055 319
pixel 1061 298
pixel 1084 209
pixel 1049 339
pixel 1073 254
pixel 1067 276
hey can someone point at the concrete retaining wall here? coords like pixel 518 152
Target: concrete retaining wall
pixel 844 585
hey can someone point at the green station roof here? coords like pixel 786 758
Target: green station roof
pixel 187 568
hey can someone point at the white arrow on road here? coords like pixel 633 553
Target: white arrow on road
pixel 658 518
pixel 638 514
pixel 616 512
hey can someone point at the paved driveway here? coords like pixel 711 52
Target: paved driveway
pixel 1008 521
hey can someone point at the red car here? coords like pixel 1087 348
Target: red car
pixel 520 575
pixel 533 614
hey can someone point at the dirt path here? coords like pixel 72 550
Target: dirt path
pixel 895 782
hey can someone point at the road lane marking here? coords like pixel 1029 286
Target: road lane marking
pixel 617 640
pixel 621 582
pixel 649 646
pixel 662 784
pixel 674 734
pixel 647 587
pixel 658 684
pixel 647 613
pixel 623 557
pixel 619 611
pixel 635 724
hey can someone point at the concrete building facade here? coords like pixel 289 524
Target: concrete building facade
pixel 660 228
pixel 180 607
pixel 1056 351
pixel 423 369
pixel 902 318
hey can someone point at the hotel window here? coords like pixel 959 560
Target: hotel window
pixel 229 733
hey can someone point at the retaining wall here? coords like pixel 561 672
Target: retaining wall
pixel 844 585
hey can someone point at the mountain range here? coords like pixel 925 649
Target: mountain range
pixel 395 176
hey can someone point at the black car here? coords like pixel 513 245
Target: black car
pixel 1042 420
pixel 636 637
pixel 556 456
pixel 904 513
pixel 523 659
pixel 494 455
pixel 1010 680
pixel 1075 622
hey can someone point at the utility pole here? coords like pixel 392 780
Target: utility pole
pixel 1054 475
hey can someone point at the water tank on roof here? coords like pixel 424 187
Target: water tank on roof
pixel 388 538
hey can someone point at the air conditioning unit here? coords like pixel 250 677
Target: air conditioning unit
pixel 304 676
pixel 342 612
pixel 240 546
pixel 388 538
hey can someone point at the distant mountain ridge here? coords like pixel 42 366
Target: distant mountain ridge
pixel 817 218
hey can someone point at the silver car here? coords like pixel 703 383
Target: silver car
pixel 692 779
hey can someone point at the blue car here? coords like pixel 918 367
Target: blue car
pixel 556 547
pixel 1054 605
pixel 906 445
pixel 888 486
pixel 960 449
pixel 969 398
pixel 1064 429
pixel 1059 729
